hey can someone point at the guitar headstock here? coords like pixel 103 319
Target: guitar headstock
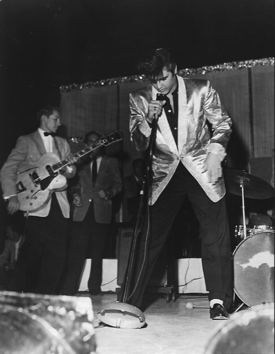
pixel 104 141
pixel 111 138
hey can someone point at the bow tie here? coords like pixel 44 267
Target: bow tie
pixel 47 134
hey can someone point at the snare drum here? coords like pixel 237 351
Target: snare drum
pixel 253 261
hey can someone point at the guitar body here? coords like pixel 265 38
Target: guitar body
pixel 36 181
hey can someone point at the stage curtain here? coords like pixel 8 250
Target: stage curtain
pixel 247 94
pixel 262 87
pixel 90 109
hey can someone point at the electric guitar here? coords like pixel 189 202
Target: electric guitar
pixel 36 181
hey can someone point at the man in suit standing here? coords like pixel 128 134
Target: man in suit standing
pixel 192 133
pixel 98 181
pixel 42 257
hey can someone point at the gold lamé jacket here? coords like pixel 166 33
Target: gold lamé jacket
pixel 198 105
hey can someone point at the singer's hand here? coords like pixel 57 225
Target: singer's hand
pixel 154 110
pixel 212 167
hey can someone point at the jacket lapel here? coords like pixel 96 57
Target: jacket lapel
pixel 39 143
pixel 57 147
pixel 87 176
pixel 182 114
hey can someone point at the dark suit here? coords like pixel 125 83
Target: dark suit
pixel 90 224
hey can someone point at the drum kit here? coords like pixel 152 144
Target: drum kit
pixel 253 258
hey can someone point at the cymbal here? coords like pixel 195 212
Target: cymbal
pixel 254 187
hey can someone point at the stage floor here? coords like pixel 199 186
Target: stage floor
pixel 170 327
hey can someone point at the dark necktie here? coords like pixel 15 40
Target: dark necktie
pixel 94 172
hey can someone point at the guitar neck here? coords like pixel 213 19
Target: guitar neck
pixel 72 158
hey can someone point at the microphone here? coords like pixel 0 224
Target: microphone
pixel 160 97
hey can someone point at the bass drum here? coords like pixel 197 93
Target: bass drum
pixel 253 261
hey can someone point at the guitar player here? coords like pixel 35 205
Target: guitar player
pixel 42 257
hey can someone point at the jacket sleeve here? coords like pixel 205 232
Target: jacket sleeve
pixel 140 130
pixel 75 186
pixel 220 121
pixel 11 166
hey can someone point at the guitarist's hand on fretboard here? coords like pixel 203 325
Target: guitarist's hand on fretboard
pixel 68 171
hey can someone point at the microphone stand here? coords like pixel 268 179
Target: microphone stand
pixel 116 314
pixel 144 196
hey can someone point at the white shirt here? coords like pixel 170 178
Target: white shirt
pixel 47 140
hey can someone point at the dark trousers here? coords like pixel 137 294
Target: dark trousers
pixel 87 239
pixel 214 233
pixel 42 257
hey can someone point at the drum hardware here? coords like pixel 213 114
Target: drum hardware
pixel 243 209
pixel 255 187
pixel 239 232
pixel 260 228
pixel 249 186
pixel 241 180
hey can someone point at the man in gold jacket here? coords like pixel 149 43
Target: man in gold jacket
pixel 192 133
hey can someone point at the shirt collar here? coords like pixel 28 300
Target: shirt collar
pixel 41 132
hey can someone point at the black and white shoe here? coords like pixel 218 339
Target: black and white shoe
pixel 218 312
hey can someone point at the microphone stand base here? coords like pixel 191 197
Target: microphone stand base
pixel 121 315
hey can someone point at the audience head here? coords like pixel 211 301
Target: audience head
pixel 92 139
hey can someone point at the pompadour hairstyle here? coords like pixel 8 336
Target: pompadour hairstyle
pixel 46 111
pixel 155 62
